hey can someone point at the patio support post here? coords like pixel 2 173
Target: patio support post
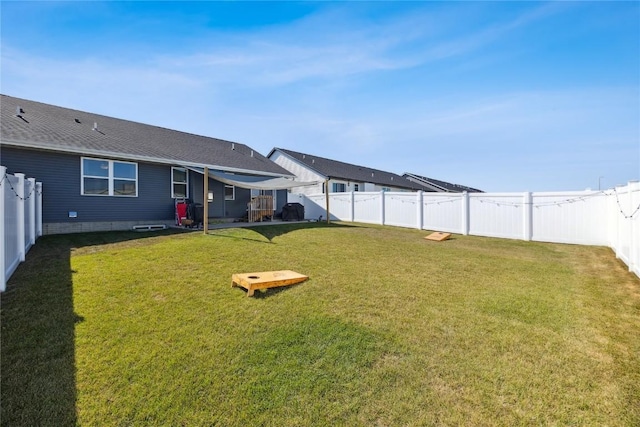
pixel 205 215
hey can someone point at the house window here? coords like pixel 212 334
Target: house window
pixel 229 192
pixel 386 189
pixel 108 178
pixel 356 187
pixel 339 187
pixel 179 183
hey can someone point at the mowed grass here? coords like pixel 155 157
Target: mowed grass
pixel 390 329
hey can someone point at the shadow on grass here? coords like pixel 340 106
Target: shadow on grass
pixel 37 318
pixel 37 368
pixel 271 232
pixel 270 292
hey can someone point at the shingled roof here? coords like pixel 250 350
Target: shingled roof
pixel 431 184
pixel 35 125
pixel 334 169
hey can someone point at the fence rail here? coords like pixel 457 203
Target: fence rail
pixel 607 218
pixel 20 220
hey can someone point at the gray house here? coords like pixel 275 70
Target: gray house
pixel 104 173
pixel 435 185
pixel 341 177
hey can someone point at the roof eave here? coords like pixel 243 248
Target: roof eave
pixel 301 163
pixel 89 152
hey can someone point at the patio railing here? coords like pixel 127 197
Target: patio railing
pixel 259 208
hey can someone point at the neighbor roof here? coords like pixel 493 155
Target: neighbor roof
pixel 349 172
pixel 437 185
pixel 35 125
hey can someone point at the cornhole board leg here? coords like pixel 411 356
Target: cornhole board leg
pixel 266 279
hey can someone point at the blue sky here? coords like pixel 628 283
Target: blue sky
pixel 502 96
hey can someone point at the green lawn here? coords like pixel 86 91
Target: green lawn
pixel 390 330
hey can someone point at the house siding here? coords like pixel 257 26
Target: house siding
pixel 60 174
pixel 302 173
pixel 216 208
pixel 237 208
pixel 219 208
pixel 60 177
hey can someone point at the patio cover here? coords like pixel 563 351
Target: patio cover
pixel 253 181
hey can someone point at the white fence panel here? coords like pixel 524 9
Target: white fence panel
pixel 29 219
pixel 20 220
pixel 38 209
pixel 497 215
pixel 610 218
pixel 314 206
pixel 401 209
pixel 624 228
pixel 366 207
pixel 442 212
pixel 570 217
pixel 340 206
pixel 317 207
pixel 10 230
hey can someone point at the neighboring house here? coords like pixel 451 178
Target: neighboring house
pixel 434 185
pixel 103 173
pixel 341 177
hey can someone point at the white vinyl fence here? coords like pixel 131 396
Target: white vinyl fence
pixel 20 220
pixel 606 218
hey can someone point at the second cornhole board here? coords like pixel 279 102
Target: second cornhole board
pixel 438 236
pixel 266 279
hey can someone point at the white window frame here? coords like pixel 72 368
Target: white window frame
pixel 110 177
pixel 233 194
pixel 185 183
pixel 335 185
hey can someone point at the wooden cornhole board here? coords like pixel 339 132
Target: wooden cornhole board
pixel 438 236
pixel 266 279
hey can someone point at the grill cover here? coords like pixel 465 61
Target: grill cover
pixel 293 212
